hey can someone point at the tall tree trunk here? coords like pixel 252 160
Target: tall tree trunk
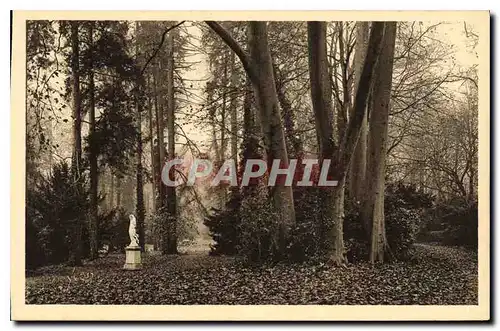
pixel 76 162
pixel 221 190
pixel 323 113
pixel 358 165
pixel 373 209
pixel 118 190
pixel 233 114
pixel 250 144
pixel 160 155
pixel 294 144
pixel 94 179
pixel 152 147
pixel 171 192
pixel 271 125
pixel 323 109
pixel 258 65
pixel 139 209
pixel 111 203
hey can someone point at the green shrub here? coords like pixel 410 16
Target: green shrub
pixel 403 211
pixel 113 229
pixel 401 231
pixel 460 221
pixel 309 233
pixel 223 227
pixel 259 224
pixel 55 208
pixel 355 236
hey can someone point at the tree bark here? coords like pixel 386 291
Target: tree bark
pixel 294 143
pixel 118 189
pixel 160 154
pixel 233 112
pixel 322 105
pixel 233 119
pixel 76 162
pixel 373 208
pixel 139 209
pixel 358 166
pixel 351 136
pixel 270 119
pixel 323 112
pixel 259 68
pixel 152 147
pixel 94 180
pixel 111 203
pixel 170 191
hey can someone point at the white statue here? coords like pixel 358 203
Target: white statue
pixel 134 237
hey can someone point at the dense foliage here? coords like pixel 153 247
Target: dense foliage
pixel 55 213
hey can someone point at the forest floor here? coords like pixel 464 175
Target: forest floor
pixel 436 276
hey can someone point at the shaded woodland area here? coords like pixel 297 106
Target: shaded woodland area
pixel 389 103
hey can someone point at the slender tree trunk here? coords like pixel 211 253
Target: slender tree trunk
pixel 233 114
pixel 373 209
pixel 160 155
pixel 221 190
pixel 118 189
pixel 94 180
pixel 358 165
pixel 112 191
pixel 171 192
pixel 76 162
pixel 139 209
pixel 152 147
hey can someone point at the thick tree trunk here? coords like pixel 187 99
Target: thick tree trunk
pixel 294 143
pixel 373 208
pixel 323 113
pixel 258 65
pixel 322 105
pixel 171 192
pixel 76 162
pixel 270 119
pixel 250 144
pixel 94 180
pixel 351 136
pixel 358 164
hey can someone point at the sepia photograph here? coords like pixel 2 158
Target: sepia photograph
pixel 320 164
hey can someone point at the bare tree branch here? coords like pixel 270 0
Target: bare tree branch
pixel 159 45
pixel 237 49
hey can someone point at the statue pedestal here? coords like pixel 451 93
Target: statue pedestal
pixel 133 258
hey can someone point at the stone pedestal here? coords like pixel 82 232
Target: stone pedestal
pixel 133 258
